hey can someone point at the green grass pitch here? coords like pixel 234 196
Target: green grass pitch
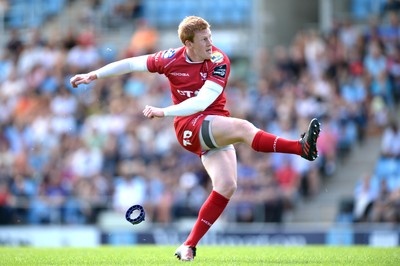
pixel 206 255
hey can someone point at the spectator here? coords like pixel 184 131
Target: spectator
pixel 13 87
pixel 86 162
pixel 23 189
pixel 389 32
pixel 329 146
pixel 314 51
pixel 365 194
pixel 393 69
pixel 5 200
pixel 390 6
pixel 348 34
pixel 390 146
pixel 47 208
pixel 130 186
pixel 247 195
pixel 189 197
pixel 64 103
pixel 84 55
pixel 14 45
pixel 375 61
pixel 288 180
pixel 144 39
pixel 380 209
pixel 7 160
pixel 6 65
pixel 272 200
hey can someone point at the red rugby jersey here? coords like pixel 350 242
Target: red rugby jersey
pixel 186 78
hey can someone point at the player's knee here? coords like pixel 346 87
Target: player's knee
pixel 243 127
pixel 232 187
pixel 227 188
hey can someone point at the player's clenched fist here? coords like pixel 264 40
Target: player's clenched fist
pixel 82 79
pixel 151 112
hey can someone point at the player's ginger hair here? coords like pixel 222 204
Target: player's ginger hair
pixel 189 26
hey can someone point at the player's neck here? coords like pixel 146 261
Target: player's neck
pixel 191 58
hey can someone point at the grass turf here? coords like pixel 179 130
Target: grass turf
pixel 206 255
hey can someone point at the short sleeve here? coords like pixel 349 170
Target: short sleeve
pixel 220 69
pixel 156 62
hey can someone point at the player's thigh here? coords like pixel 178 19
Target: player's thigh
pixel 230 130
pixel 221 166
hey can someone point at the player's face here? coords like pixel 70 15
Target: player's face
pixel 201 47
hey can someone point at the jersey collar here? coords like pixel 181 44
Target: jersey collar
pixel 190 61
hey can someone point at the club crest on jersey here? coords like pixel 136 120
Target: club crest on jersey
pixel 169 53
pixel 217 57
pixel 220 71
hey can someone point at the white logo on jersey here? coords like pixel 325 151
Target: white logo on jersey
pixel 169 53
pixel 203 75
pixel 188 93
pixel 179 74
pixel 186 135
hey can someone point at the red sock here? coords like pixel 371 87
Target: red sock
pixel 266 142
pixel 208 214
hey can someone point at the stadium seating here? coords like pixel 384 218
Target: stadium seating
pixel 32 13
pixel 218 12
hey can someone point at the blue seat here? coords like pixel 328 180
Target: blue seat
pixel 386 167
pixel 151 9
pixel 167 13
pixel 17 15
pixel 393 182
pixel 53 7
pixel 217 12
pixel 32 13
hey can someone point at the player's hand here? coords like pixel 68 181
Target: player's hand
pixel 82 79
pixel 151 112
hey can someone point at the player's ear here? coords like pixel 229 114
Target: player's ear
pixel 188 43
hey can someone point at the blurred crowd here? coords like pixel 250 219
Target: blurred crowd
pixel 68 154
pixel 377 194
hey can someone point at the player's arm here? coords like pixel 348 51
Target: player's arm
pixel 116 68
pixel 206 96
